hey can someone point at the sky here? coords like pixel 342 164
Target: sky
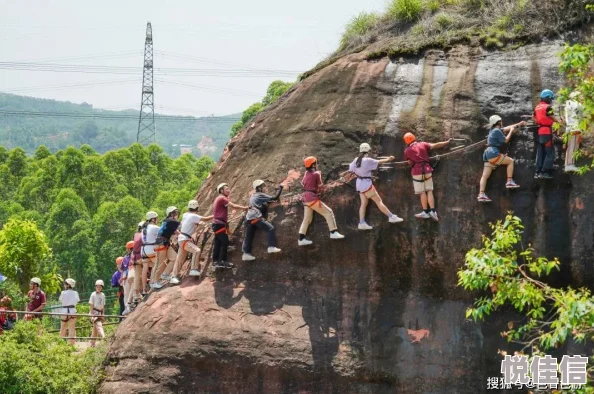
pixel 208 55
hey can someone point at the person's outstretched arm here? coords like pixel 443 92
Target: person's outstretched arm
pixel 235 206
pixel 278 193
pixel 439 145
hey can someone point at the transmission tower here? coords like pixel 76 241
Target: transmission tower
pixel 146 122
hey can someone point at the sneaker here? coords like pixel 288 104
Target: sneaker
pixel 157 285
pixel 395 219
pixel 434 216
pixel 511 184
pixel 483 198
pixel 273 249
pixel 174 281
pixel 364 226
pixel 537 175
pixel 165 277
pixel 304 242
pixel 247 257
pixel 336 235
pixel 545 175
pixel 194 273
pixel 126 311
pixel 422 215
pixel 224 264
pixel 571 168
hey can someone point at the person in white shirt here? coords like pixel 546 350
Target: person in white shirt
pixel 150 230
pixel 97 310
pixel 185 242
pixel 69 298
pixel 573 119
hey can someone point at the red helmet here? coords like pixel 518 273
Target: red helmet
pixel 119 260
pixel 309 161
pixel 409 138
pixel 130 245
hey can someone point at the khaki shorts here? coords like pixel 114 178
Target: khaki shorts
pixel 370 193
pixel 423 183
pixel 496 161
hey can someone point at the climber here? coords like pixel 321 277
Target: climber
pixel 256 217
pixel 312 183
pixel 362 166
pixel 417 155
pixel 128 277
pixel 137 266
pixel 544 117
pixel 97 308
pixel 117 282
pixel 573 130
pixel 149 238
pixel 185 242
pixel 220 225
pixel 69 298
pixel 36 298
pixel 166 254
pixel 492 157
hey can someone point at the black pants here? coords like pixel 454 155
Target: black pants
pixel 221 242
pixel 545 154
pixel 121 299
pixel 250 231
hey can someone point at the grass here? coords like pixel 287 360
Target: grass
pixel 358 27
pixel 405 10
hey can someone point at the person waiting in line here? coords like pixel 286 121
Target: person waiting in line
pixel 220 225
pixel 492 156
pixel 97 310
pixel 166 253
pixel 117 282
pixel 136 261
pixel 69 298
pixel 362 167
pixel 574 114
pixel 545 119
pixel 150 230
pixel 128 277
pixel 417 155
pixel 312 184
pixel 256 218
pixel 186 243
pixel 7 317
pixel 36 298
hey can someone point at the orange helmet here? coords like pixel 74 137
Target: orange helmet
pixel 130 245
pixel 409 138
pixel 119 260
pixel 309 161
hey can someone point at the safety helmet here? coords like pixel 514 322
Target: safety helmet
pixel 130 245
pixel 221 185
pixel 257 183
pixel 99 283
pixel 409 138
pixel 36 281
pixel 151 215
pixel 140 224
pixel 494 119
pixel 364 147
pixel 309 161
pixel 193 204
pixel 70 282
pixel 119 260
pixel 170 209
pixel 547 94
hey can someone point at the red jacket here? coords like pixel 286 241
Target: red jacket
pixel 543 114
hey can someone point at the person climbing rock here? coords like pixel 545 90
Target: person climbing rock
pixel 166 254
pixel 97 309
pixel 417 155
pixel 137 265
pixel 117 282
pixel 312 183
pixel 573 129
pixel 362 167
pixel 492 157
pixel 128 277
pixel 36 298
pixel 150 230
pixel 220 225
pixel 544 117
pixel 186 244
pixel 256 218
pixel 69 298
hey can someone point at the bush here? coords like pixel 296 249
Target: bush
pixel 405 10
pixel 359 26
pixel 444 20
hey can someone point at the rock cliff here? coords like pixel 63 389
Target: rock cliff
pixel 378 312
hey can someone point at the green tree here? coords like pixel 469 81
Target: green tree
pixel 41 153
pixel 275 90
pixel 70 169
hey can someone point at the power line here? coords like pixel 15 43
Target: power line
pixel 207 119
pixel 213 89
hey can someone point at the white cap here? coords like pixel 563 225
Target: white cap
pixel 221 185
pixel 193 204
pixel 71 282
pixel 364 147
pixel 257 183
pixel 99 282
pixel 494 119
pixel 36 280
pixel 170 209
pixel 140 224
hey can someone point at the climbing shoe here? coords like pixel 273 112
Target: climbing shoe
pixel 483 198
pixel 364 226
pixel 273 249
pixel 174 281
pixel 194 273
pixel 434 216
pixel 544 175
pixel 422 215
pixel 336 235
pixel 395 219
pixel 247 257
pixel 304 242
pixel 223 264
pixel 511 184
pixel 571 168
pixel 165 277
pixel 126 311
pixel 157 285
pixel 537 175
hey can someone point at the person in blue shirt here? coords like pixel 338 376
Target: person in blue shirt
pixel 492 157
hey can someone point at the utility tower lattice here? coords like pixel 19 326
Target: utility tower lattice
pixel 146 122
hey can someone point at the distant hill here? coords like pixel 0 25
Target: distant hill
pixel 29 122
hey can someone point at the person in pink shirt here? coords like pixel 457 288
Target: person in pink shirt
pixel 312 183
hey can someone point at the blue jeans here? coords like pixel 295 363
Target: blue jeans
pixel 545 154
pixel 250 231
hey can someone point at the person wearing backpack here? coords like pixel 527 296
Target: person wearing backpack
pixel 166 254
pixel 69 298
pixel 150 230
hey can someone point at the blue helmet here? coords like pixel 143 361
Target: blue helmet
pixel 547 94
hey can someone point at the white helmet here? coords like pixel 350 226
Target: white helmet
pixel 494 119
pixel 37 281
pixel 193 204
pixel 170 209
pixel 140 224
pixel 71 282
pixel 364 147
pixel 151 215
pixel 99 283
pixel 221 185
pixel 257 183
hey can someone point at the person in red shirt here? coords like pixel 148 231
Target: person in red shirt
pixel 7 319
pixel 544 117
pixel 312 183
pixel 417 155
pixel 220 225
pixel 37 299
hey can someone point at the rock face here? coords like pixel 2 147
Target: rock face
pixel 378 312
